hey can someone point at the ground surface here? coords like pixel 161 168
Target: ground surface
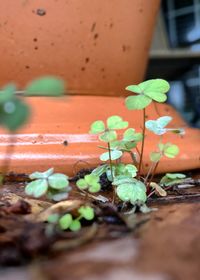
pixel 163 245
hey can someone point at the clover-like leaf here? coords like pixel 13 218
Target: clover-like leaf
pixel 115 154
pixel 147 91
pixel 41 175
pixel 91 179
pixel 158 126
pixel 155 156
pixel 108 136
pixel 97 127
pixel 82 184
pixel 95 187
pixel 90 182
pixel 171 151
pixel 37 188
pixel 75 225
pixel 46 86
pixel 86 212
pixel 155 89
pixel 132 192
pixel 126 169
pixel 131 135
pixel 116 122
pixel 58 181
pixel 137 102
pixel 65 221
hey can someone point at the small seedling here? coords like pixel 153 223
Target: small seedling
pixel 55 185
pixel 107 133
pixel 90 183
pixel 68 222
pixel 146 92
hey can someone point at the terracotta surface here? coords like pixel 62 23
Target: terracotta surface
pixel 58 135
pixel 98 46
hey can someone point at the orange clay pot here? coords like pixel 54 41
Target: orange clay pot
pixel 57 135
pixel 97 46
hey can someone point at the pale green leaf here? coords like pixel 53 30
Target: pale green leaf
pixel 115 154
pixel 65 221
pixel 86 212
pixel 58 181
pixel 82 184
pixel 75 225
pixel 137 102
pixel 108 136
pixel 37 188
pixel 97 127
pixel 116 122
pixel 155 156
pixel 41 175
pixel 171 151
pixel 46 86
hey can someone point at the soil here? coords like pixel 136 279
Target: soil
pixel 161 245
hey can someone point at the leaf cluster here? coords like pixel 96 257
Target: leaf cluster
pixel 55 185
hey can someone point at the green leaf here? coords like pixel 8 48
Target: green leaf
pixel 132 192
pixel 175 175
pixel 59 196
pixel 95 187
pixel 46 86
pixel 116 122
pixel 41 175
pixel 37 188
pixel 131 135
pixel 127 170
pixel 115 154
pixel 13 114
pixel 158 126
pixel 53 218
pixel 91 179
pixel 172 178
pixel 98 171
pixel 123 179
pixel 86 212
pixel 97 127
pixel 155 156
pixel 171 151
pixel 155 89
pixel 137 102
pixel 75 225
pixel 82 184
pixel 108 136
pixel 7 93
pixel 58 181
pixel 65 221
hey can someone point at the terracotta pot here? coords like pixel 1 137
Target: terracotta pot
pixel 57 135
pixel 98 46
pixel 99 49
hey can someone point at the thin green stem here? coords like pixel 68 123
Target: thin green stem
pixel 143 140
pixel 110 161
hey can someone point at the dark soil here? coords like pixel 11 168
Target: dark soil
pixel 161 245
